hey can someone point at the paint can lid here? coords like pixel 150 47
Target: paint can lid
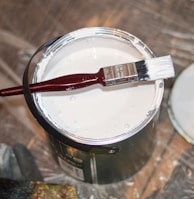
pixel 181 104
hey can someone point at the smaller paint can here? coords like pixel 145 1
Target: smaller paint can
pixel 181 104
pixel 98 134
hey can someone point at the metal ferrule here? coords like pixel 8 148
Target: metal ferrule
pixel 119 74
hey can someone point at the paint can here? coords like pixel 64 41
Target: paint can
pixel 181 104
pixel 99 134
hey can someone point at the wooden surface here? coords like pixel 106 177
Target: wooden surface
pixel 165 26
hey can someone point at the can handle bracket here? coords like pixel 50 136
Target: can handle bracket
pixel 104 150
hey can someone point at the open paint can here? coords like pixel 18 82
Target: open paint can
pixel 99 134
pixel 181 104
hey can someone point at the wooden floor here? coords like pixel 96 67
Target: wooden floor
pixel 165 26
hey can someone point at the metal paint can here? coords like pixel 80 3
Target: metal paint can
pixel 104 154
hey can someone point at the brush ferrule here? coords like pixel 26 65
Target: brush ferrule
pixel 119 74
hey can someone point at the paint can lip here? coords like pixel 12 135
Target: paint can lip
pixel 110 32
pixel 179 93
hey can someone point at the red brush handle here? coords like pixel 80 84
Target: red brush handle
pixel 63 83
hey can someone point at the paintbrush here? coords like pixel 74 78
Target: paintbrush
pixel 10 189
pixel 144 70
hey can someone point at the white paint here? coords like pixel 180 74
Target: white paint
pixel 95 112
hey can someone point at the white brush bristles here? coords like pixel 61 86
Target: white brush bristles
pixel 160 68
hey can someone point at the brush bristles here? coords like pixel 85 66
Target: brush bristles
pixel 142 70
pixel 160 68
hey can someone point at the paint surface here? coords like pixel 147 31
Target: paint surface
pixel 95 112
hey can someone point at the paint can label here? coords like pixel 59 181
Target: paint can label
pixel 71 167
